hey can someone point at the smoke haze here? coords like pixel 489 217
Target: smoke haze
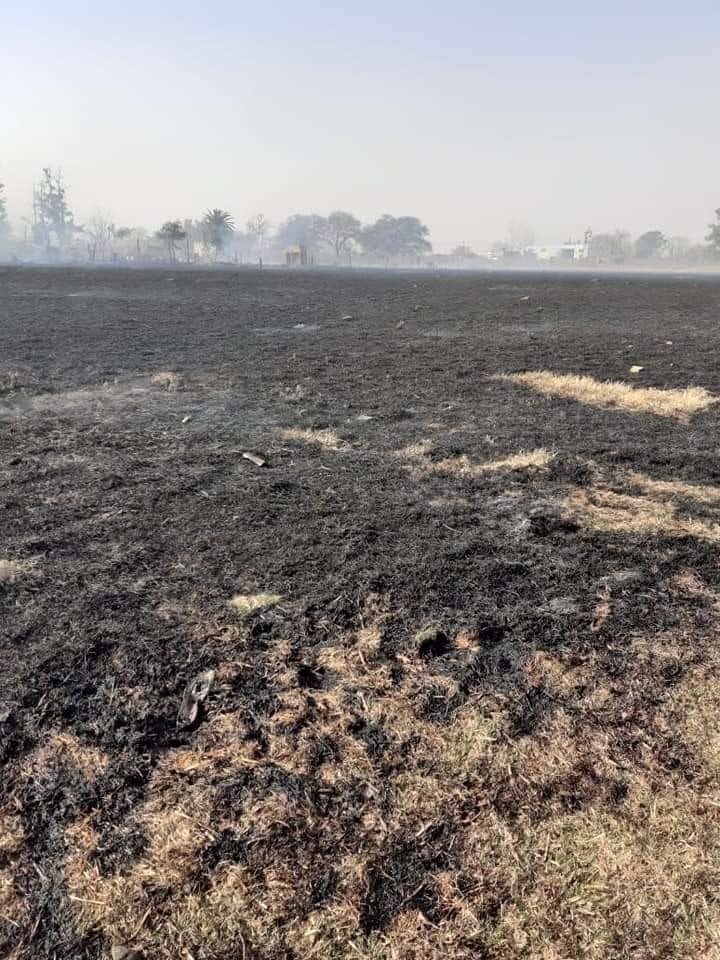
pixel 469 115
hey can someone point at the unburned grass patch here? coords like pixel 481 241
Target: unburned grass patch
pixel 63 749
pixel 675 489
pixel 419 457
pixel 326 438
pixel 248 603
pixel 604 511
pixel 680 404
pixel 167 380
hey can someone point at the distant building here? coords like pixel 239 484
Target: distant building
pixel 561 251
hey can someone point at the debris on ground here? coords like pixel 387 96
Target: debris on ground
pixel 254 458
pixel 196 692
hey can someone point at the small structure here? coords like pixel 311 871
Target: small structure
pixel 561 251
pixel 296 255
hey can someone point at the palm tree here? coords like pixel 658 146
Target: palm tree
pixel 218 226
pixel 171 232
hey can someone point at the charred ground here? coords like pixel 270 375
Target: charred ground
pixel 465 698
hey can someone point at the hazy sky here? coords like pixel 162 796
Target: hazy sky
pixel 470 115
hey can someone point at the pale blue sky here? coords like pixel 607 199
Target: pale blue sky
pixel 470 115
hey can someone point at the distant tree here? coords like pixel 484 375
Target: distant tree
pixel 650 244
pixel 713 237
pixel 4 224
pixel 343 229
pixel 463 250
pixel 53 217
pixel 218 227
pixel 196 234
pixel 396 237
pixel 129 241
pixel 677 246
pixel 171 233
pixel 100 230
pixel 610 247
pixel 242 246
pixel 699 253
pixel 308 230
pixel 258 227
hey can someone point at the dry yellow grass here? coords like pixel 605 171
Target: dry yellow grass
pixel 167 380
pixel 176 820
pixel 13 907
pixel 608 512
pixel 675 489
pixel 567 881
pixel 463 466
pixel 547 864
pixel 247 603
pixel 679 404
pixel 327 439
pixel 66 749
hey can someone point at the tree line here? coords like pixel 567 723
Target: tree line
pixel 215 235
pixel 618 247
pixel 339 236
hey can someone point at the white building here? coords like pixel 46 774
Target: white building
pixel 562 251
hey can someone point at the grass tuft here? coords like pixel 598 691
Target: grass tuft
pixel 680 404
pixel 247 603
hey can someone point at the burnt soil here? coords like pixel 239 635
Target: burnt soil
pixel 136 525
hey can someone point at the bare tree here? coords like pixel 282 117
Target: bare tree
pixel 258 227
pixel 101 231
pixel 610 247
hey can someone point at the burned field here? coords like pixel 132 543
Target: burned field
pixel 457 638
